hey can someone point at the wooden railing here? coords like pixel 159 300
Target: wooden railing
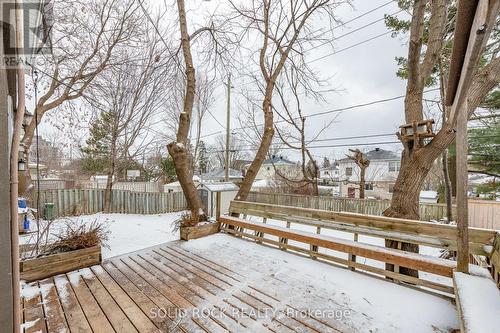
pixel 429 234
pixel 72 202
pixel 482 213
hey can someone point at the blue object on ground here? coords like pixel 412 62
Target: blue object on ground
pixel 26 224
pixel 21 203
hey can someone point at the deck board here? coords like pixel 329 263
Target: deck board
pixel 56 321
pixel 73 312
pixel 177 288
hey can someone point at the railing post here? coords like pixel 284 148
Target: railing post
pixel 314 248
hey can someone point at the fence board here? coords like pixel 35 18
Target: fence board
pixel 68 202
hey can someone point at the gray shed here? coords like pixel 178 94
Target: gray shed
pixel 217 197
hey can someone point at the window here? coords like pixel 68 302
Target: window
pixel 394 166
pixel 268 168
pixel 368 187
pixel 348 171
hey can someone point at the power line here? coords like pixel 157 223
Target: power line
pixel 356 17
pixel 328 112
pixel 350 46
pixel 322 146
pixel 351 32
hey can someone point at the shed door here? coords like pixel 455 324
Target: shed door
pixel 204 198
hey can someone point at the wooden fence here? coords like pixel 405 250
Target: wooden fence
pixel 153 187
pixel 72 202
pixel 482 213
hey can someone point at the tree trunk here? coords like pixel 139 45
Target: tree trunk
pixel 265 143
pixel 181 163
pixel 107 191
pixel 110 174
pixel 405 202
pixel 362 183
pixel 447 186
pixel 179 150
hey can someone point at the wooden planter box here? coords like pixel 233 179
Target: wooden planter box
pixel 199 231
pixel 43 267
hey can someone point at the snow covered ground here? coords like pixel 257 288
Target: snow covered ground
pixel 372 304
pixel 128 232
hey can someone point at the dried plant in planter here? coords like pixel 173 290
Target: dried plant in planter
pixel 187 219
pixel 75 236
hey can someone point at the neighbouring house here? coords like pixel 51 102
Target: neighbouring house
pixel 176 186
pixel 219 175
pixel 269 167
pixel 330 175
pixel 50 154
pixel 380 175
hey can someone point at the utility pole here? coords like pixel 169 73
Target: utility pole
pixel 228 128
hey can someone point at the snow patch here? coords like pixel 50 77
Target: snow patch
pixel 128 232
pixel 480 302
pixel 31 290
pixel 375 305
pixel 29 324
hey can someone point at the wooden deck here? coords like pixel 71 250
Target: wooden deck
pixel 180 288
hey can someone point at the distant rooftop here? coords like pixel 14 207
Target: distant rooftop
pixel 277 160
pixel 220 174
pixel 378 154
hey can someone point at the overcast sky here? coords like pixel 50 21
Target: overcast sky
pixel 363 74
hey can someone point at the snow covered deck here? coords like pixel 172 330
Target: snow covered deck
pixel 221 283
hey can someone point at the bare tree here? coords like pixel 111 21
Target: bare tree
pixel 417 158
pixel 130 94
pixel 293 134
pixel 179 149
pixel 237 151
pixel 363 163
pixel 284 29
pixel 83 43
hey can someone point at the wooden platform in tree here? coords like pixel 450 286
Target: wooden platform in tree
pixel 183 287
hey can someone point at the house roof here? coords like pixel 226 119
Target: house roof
pixel 428 194
pixel 220 187
pixel 378 154
pixel 277 160
pixel 220 174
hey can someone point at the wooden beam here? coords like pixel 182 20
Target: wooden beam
pixel 388 224
pixel 6 295
pixel 459 114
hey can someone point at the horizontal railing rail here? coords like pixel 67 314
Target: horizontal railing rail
pixel 437 235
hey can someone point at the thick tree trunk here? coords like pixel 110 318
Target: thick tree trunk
pixel 405 202
pixel 315 186
pixel 180 158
